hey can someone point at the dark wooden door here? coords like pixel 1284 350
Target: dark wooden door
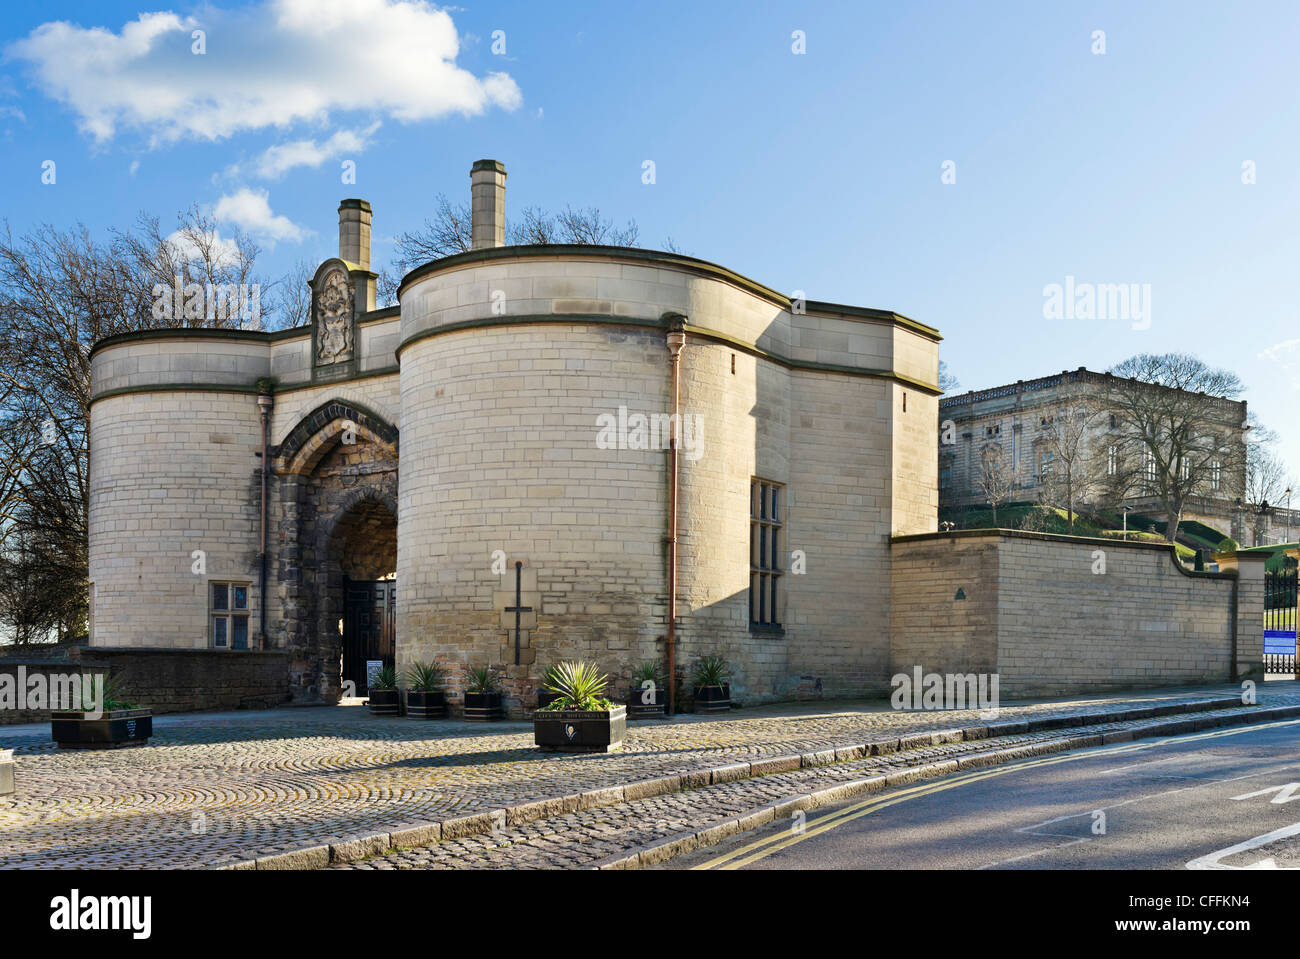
pixel 369 615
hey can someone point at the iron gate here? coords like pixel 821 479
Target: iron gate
pixel 369 613
pixel 1280 622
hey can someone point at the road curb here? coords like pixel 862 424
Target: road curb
pixel 350 848
pixel 714 833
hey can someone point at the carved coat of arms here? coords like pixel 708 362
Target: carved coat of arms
pixel 334 319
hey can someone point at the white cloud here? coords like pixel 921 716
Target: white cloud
pixel 1275 351
pixel 1286 358
pixel 250 210
pixel 270 65
pixel 278 160
pixel 223 251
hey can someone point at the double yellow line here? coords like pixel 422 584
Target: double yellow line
pixel 763 848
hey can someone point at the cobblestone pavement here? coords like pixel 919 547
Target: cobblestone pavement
pixel 583 838
pixel 219 785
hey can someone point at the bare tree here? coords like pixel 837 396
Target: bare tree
pixel 1172 424
pixel 1267 478
pixel 60 292
pixel 997 478
pixel 535 228
pixel 589 227
pixel 1069 437
pixel 295 295
pixel 947 382
pixel 450 231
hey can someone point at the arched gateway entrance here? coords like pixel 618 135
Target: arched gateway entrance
pixel 362 573
pixel 338 559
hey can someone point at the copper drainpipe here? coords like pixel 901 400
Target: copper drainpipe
pixel 265 403
pixel 676 340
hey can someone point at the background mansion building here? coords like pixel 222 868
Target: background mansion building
pixel 1017 421
pixel 438 484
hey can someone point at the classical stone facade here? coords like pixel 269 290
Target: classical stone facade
pixel 1015 422
pixel 453 447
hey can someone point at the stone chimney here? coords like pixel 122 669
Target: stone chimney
pixel 354 232
pixel 487 179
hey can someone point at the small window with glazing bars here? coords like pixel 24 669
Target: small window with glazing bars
pixel 766 510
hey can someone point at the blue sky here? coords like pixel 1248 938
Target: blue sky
pixel 818 172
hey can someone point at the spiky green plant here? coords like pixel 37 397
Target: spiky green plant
pixel 386 678
pixel 424 677
pixel 648 671
pixel 480 679
pixel 580 685
pixel 111 696
pixel 113 693
pixel 712 671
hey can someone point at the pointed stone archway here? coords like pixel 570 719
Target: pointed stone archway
pixel 337 472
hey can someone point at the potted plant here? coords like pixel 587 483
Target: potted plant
pixel 424 697
pixel 110 722
pixel 581 720
pixel 545 697
pixel 482 699
pixel 712 691
pixel 385 697
pixel 649 692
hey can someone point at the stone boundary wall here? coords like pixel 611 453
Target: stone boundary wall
pixel 17 671
pixel 1029 607
pixel 165 680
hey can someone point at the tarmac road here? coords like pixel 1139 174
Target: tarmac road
pixel 1220 799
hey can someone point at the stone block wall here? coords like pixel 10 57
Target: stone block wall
pixel 499 453
pixel 1035 608
pixel 166 680
pixel 171 474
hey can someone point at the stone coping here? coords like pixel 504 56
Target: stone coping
pixel 689 264
pixel 1166 548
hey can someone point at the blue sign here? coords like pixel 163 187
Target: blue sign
pixel 1279 642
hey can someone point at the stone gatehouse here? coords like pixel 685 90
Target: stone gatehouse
pixel 435 470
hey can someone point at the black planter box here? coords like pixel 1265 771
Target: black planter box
pixel 482 707
pixel 545 697
pixel 385 702
pixel 577 731
pixel 426 704
pixel 713 699
pixel 637 709
pixel 117 727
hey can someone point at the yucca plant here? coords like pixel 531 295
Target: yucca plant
pixel 480 679
pixel 424 677
pixel 386 678
pixel 580 685
pixel 711 671
pixel 111 696
pixel 648 672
